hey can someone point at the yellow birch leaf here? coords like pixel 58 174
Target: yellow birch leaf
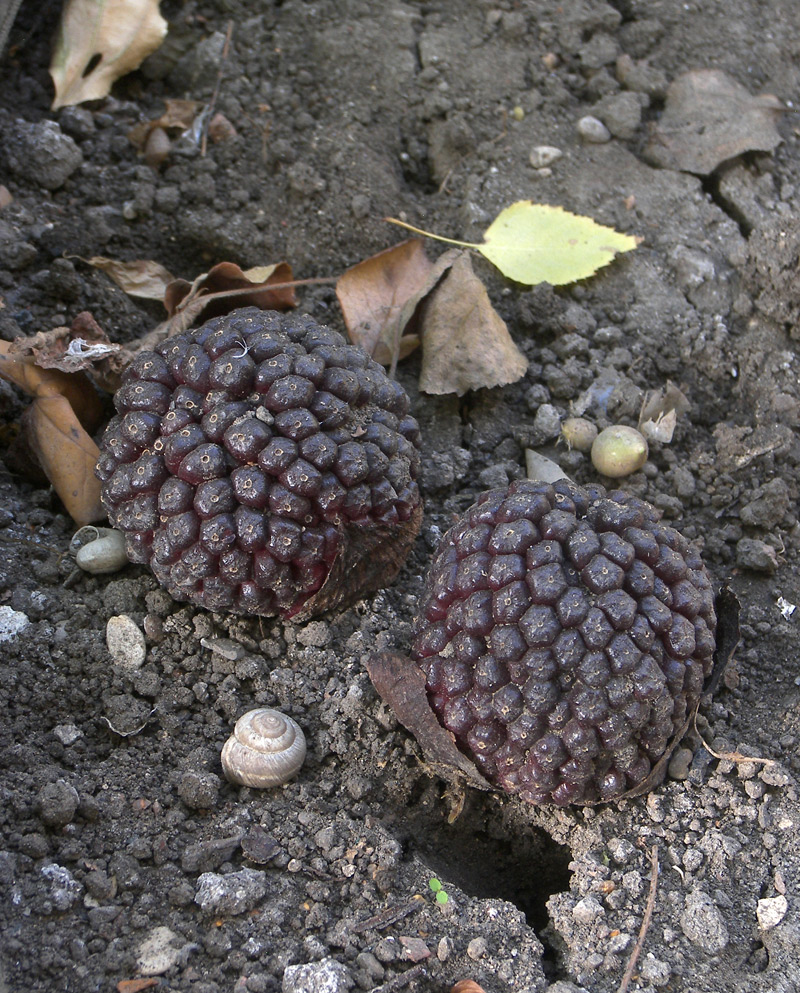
pixel 99 41
pixel 535 243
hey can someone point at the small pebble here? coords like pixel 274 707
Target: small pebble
pixel 587 910
pixel 703 924
pixel 655 971
pixel 157 954
pixel 64 889
pixel 126 643
pixel 12 623
pixel 771 911
pixel 477 948
pixel 756 555
pixel 680 762
pixel 544 155
pixel 234 893
pixel 67 734
pixel 593 131
pixel 57 803
pixel 327 976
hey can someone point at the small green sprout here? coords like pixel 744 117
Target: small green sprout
pixel 435 886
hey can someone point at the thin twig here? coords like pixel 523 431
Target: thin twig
pixel 736 757
pixel 212 102
pixel 648 914
pixel 402 979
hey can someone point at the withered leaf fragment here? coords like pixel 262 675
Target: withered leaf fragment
pixel 465 342
pixel 224 288
pixel 57 429
pixel 400 683
pixel 378 298
pixel 139 278
pixel 709 118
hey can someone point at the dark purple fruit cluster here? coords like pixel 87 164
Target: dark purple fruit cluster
pixel 257 458
pixel 565 634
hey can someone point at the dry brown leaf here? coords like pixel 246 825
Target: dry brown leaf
pixel 709 118
pixel 67 455
pixel 467 986
pixel 99 41
pixel 136 985
pixel 465 342
pixel 18 365
pixel 140 278
pixel 400 683
pixel 378 298
pixel 221 129
pixel 179 115
pixel 226 287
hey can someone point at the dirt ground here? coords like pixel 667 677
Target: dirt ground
pixel 124 854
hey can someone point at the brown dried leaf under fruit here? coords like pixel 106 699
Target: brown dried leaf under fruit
pixel 378 298
pixel 400 683
pixel 56 429
pixel 226 287
pixel 709 118
pixel 465 342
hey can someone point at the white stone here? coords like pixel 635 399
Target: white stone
pixel 67 734
pixel 157 953
pixel 587 910
pixel 12 623
pixel 593 130
pixel 544 155
pixel 771 911
pixel 125 641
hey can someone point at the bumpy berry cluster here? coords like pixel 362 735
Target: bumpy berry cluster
pixel 257 457
pixel 565 633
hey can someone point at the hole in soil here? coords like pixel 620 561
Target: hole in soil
pixel 484 858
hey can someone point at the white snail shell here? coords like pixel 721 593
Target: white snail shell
pixel 104 553
pixel 266 749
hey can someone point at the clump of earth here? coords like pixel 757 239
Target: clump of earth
pixel 127 861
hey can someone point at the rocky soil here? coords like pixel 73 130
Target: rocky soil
pixel 124 855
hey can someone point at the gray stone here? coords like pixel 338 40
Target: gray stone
pixel 64 889
pixel 769 506
pixel 592 130
pixel 199 790
pixel 756 555
pixel 57 803
pixel 42 153
pixel 327 976
pixel 621 113
pixel 234 893
pixel 703 923
pixel 587 910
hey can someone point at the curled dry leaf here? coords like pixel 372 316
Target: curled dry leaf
pixel 400 683
pixel 151 138
pixel 660 412
pixel 57 428
pixel 66 454
pixel 224 288
pixel 379 296
pixel 99 41
pixel 139 278
pixel 465 342
pixel 709 118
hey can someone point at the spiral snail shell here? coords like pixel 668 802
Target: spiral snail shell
pixel 266 749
